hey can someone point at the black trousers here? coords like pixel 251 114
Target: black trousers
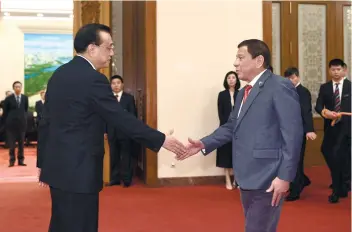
pixel 73 212
pixel 301 179
pixel 336 149
pixel 14 135
pixel 121 160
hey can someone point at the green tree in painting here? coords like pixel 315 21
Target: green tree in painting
pixel 44 53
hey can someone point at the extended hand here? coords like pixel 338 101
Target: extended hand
pixel 173 145
pixel 193 147
pixel 280 188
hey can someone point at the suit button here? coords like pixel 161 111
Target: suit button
pixel 236 137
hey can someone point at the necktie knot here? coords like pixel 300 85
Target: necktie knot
pixel 248 88
pixel 246 92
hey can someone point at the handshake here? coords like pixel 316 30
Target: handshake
pixel 182 151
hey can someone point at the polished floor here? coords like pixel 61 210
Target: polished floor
pixel 25 207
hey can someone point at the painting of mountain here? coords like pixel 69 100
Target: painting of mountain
pixel 43 54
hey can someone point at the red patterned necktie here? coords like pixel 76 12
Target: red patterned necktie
pixel 246 92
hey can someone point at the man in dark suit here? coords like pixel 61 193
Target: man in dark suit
pixel 266 131
pixel 39 105
pixel 71 143
pixel 15 120
pixel 305 100
pixel 334 97
pixel 121 145
pixel 2 123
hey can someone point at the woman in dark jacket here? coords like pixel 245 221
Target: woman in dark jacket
pixel 226 102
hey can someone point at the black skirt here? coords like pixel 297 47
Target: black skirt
pixel 224 156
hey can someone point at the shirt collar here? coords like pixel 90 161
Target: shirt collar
pixel 87 60
pixel 119 94
pixel 256 78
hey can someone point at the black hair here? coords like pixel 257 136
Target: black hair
pixel 89 34
pixel 237 85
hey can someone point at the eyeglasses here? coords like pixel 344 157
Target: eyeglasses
pixel 110 48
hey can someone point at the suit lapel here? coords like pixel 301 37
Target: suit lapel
pixel 331 93
pixel 257 88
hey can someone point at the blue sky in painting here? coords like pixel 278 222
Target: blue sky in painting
pixel 54 44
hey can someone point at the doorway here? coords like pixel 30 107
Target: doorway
pixel 135 59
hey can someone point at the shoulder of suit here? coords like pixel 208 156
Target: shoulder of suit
pixel 223 92
pixel 326 83
pixel 279 80
pixel 98 76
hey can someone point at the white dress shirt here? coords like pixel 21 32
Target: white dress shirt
pixel 252 83
pixel 118 95
pixel 18 97
pixel 340 86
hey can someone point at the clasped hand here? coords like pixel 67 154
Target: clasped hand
pixel 182 151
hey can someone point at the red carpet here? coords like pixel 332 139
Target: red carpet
pixel 24 207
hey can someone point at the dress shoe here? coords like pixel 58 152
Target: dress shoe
pixel 306 183
pixel 292 197
pixel 22 164
pixel 127 184
pixel 112 183
pixel 334 198
pixel 11 165
pixel 344 192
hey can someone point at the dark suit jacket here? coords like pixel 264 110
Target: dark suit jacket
pixel 326 100
pixel 224 105
pixel 15 117
pixel 39 109
pixel 71 143
pixel 128 104
pixel 2 104
pixel 305 100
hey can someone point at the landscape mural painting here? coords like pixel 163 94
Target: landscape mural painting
pixel 43 54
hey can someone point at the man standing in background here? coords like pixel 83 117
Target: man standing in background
pixel 305 100
pixel 121 145
pixel 334 97
pixel 15 120
pixel 39 105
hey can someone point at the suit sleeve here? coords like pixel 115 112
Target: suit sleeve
pixel 307 112
pixel 288 111
pixel 319 106
pixel 26 104
pixel 104 104
pixel 220 136
pixel 133 106
pixel 5 110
